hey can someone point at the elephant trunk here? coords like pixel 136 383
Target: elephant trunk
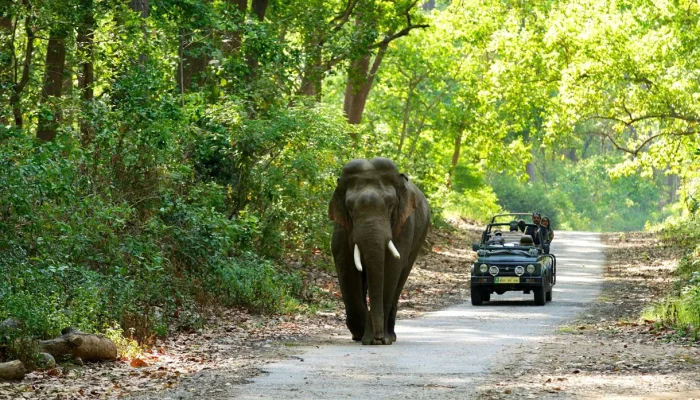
pixel 371 250
pixel 374 263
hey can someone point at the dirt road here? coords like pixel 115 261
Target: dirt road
pixel 445 354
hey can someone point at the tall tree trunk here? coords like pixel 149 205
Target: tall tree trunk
pixel 313 73
pixel 86 77
pixel 53 84
pixel 232 40
pixel 6 56
pixel 259 8
pixel 141 7
pixel 359 82
pixel 405 120
pixel 673 183
pixel 530 165
pixel 361 75
pixel 193 62
pixel 26 65
pixel 68 112
pixel 455 158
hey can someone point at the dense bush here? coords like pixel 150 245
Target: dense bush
pixel 130 228
pixel 681 310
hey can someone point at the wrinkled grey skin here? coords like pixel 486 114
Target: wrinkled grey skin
pixel 372 204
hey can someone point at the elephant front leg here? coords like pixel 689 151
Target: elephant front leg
pixel 354 295
pixel 355 308
pixel 370 336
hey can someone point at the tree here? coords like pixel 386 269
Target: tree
pixel 371 20
pixel 86 77
pixel 55 64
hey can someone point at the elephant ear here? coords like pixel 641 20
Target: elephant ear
pixel 406 207
pixel 337 210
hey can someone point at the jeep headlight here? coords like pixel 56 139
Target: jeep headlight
pixel 493 270
pixel 519 270
pixel 483 268
pixel 530 268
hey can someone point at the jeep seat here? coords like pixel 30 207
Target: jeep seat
pixel 526 240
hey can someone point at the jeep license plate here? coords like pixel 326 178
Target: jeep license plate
pixel 507 279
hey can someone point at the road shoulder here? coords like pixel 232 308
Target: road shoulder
pixel 608 351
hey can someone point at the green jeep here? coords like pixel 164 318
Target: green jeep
pixel 512 256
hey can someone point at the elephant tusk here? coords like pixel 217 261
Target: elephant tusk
pixel 393 250
pixel 358 263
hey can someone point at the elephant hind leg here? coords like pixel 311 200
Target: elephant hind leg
pixel 390 324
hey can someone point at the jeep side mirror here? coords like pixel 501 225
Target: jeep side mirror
pixel 475 246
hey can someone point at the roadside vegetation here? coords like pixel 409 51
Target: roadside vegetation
pixel 162 159
pixel 681 310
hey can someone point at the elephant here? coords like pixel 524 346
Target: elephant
pixel 381 220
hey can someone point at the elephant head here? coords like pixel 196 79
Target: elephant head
pixel 373 207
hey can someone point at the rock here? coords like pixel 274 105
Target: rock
pixel 9 324
pixel 45 361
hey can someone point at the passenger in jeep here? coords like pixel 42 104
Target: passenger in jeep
pixel 547 232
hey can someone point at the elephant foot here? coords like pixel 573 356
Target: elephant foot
pixel 392 335
pixel 386 340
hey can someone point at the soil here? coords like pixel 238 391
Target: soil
pixel 609 350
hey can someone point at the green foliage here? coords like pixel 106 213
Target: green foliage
pixel 582 196
pixel 133 236
pixel 474 204
pixel 215 135
pixel 255 283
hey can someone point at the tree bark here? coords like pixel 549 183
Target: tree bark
pixel 26 65
pixel 193 62
pixel 141 7
pixel 74 344
pixel 455 158
pixel 259 8
pixel 673 184
pixel 405 121
pixel 233 41
pixel 359 82
pixel 529 166
pixel 312 79
pixel 86 78
pixel 53 84
pixel 6 56
pixel 12 371
pixel 361 75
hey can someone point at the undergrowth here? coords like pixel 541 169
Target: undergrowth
pixel 681 310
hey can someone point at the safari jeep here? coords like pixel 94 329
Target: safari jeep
pixel 512 256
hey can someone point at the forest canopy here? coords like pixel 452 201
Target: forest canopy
pixel 157 155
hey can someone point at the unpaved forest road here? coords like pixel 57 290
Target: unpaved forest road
pixel 445 354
